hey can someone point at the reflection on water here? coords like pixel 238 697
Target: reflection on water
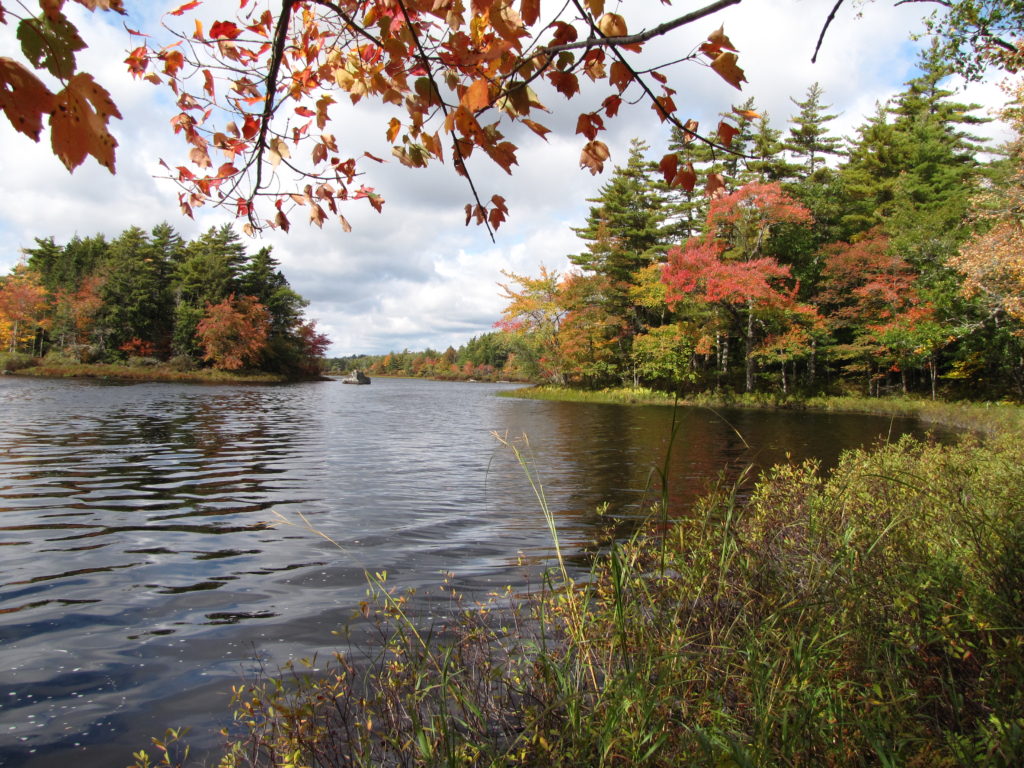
pixel 145 566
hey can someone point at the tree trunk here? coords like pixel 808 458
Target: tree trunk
pixel 749 361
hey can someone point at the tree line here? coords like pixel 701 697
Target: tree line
pixel 153 296
pixel 889 261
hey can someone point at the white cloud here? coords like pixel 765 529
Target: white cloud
pixel 415 276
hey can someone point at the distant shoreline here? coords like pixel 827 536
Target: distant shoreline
pixel 155 373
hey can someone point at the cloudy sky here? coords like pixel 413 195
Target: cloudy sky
pixel 415 276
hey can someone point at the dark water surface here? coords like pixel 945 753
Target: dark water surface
pixel 140 574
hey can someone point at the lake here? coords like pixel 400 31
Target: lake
pixel 143 572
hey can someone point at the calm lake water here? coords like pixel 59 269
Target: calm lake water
pixel 141 575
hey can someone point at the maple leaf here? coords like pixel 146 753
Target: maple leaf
pixel 593 156
pixel 78 123
pixel 725 65
pixel 726 132
pixel 476 96
pixel 612 25
pixel 50 43
pixel 23 98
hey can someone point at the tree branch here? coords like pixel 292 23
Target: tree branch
pixel 642 37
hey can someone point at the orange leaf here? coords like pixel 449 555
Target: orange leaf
pixel 477 96
pixel 726 132
pixel 725 65
pixel 537 128
pixel 23 98
pixel 393 128
pixel 749 114
pixel 78 125
pixel 620 76
pixel 186 7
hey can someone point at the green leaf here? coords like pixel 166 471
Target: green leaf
pixel 50 44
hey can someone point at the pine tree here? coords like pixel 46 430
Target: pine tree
pixel 624 234
pixel 136 299
pixel 809 141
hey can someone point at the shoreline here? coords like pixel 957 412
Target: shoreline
pixel 981 417
pixel 156 373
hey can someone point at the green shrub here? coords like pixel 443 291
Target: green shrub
pixel 15 361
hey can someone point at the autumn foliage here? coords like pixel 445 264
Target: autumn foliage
pixel 233 333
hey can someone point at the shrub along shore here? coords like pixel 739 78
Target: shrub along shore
pixel 874 616
pixel 141 370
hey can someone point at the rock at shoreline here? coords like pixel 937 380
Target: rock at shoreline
pixel 356 377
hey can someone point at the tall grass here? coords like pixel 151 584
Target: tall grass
pixel 874 617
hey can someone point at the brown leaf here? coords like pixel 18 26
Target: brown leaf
pixel 725 65
pixel 23 98
pixel 593 156
pixel 530 11
pixel 715 185
pixel 78 124
pixel 726 132
pixel 668 165
pixel 565 82
pixel 685 178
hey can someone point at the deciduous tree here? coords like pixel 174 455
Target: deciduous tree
pixel 233 333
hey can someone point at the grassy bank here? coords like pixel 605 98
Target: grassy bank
pixel 158 372
pixel 874 617
pixel 986 418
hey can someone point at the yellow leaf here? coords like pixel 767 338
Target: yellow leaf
pixel 612 25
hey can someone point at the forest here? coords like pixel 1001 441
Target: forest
pixel 884 262
pixel 145 298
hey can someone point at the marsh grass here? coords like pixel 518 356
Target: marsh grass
pixel 873 617
pixel 144 371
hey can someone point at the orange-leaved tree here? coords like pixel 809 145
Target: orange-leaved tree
pixel 233 333
pixel 23 308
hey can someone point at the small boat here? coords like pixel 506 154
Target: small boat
pixel 356 377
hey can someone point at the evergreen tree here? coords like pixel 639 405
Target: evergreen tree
pixel 624 231
pixel 263 279
pixel 136 299
pixel 809 141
